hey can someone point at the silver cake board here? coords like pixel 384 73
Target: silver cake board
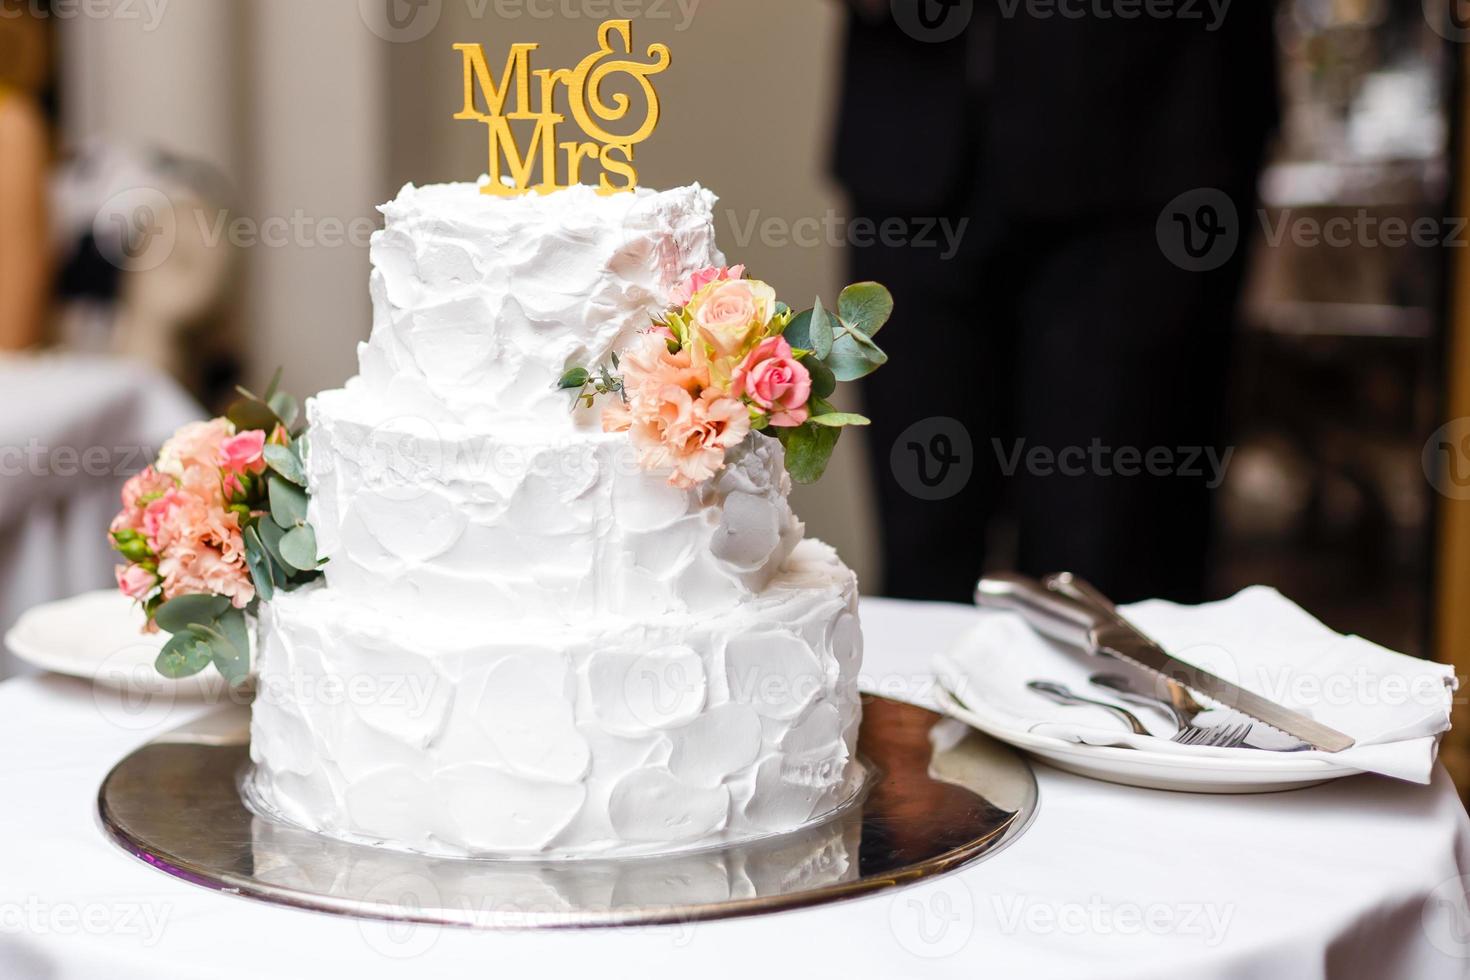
pixel 941 796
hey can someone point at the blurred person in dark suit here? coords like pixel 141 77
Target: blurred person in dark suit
pixel 25 281
pixel 1066 334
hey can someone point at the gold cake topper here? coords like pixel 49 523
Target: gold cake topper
pixel 583 90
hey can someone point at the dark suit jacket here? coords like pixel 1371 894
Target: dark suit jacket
pixel 1056 116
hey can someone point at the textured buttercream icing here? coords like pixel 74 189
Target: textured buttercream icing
pixel 523 738
pixel 527 645
pixel 479 300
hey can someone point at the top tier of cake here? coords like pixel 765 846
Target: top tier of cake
pixel 482 303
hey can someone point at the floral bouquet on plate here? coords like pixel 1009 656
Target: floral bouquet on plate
pixel 216 525
pixel 730 359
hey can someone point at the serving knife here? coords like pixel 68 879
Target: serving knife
pixel 1083 625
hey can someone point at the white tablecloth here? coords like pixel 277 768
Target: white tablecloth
pixel 72 429
pixel 1358 878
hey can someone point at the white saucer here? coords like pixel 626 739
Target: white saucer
pixel 98 636
pixel 1252 772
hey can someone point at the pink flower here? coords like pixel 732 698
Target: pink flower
pixel 200 547
pixel 244 453
pixel 135 581
pixel 729 314
pixel 192 456
pixel 240 455
pixel 689 435
pixel 776 382
pixel 674 417
pixel 136 494
pixel 684 293
pixel 648 368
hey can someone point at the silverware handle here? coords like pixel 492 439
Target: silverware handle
pixel 1079 588
pixel 1064 695
pixel 1052 614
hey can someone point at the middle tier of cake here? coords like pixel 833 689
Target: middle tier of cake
pixel 559 524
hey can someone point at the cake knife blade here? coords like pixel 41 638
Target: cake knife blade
pixel 1084 627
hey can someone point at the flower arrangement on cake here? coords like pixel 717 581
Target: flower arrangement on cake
pixel 216 525
pixel 729 359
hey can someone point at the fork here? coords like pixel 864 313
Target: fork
pixel 1215 736
pixel 1223 737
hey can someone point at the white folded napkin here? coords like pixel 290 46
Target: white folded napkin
pixel 1396 707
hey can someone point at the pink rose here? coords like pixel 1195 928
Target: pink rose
pixel 240 455
pixel 776 382
pixel 684 293
pixel 244 453
pixel 135 581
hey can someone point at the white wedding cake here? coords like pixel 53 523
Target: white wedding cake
pixel 527 643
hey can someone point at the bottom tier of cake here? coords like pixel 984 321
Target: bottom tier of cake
pixel 610 738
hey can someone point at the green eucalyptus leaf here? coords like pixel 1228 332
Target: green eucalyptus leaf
pixel 259 562
pixel 286 408
pixel 251 413
pixel 866 306
pixel 837 420
pixel 808 449
pixel 298 549
pixel 575 378
pixel 798 332
pixel 855 356
pixel 183 656
pixel 178 614
pixel 822 331
pixel 274 386
pixel 824 382
pixel 288 503
pixel 285 463
pixel 229 646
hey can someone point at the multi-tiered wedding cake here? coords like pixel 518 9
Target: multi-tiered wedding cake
pixel 528 642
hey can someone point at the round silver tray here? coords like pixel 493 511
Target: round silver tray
pixel 942 796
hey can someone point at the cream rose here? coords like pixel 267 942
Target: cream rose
pixel 729 314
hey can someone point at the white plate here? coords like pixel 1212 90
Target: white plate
pixel 1252 772
pixel 98 636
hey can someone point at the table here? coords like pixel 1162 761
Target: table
pixel 1361 877
pixel 72 429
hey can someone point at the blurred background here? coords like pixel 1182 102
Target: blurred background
pixel 198 181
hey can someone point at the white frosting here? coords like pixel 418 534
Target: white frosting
pixel 481 303
pixel 444 520
pixel 526 644
pixel 528 738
